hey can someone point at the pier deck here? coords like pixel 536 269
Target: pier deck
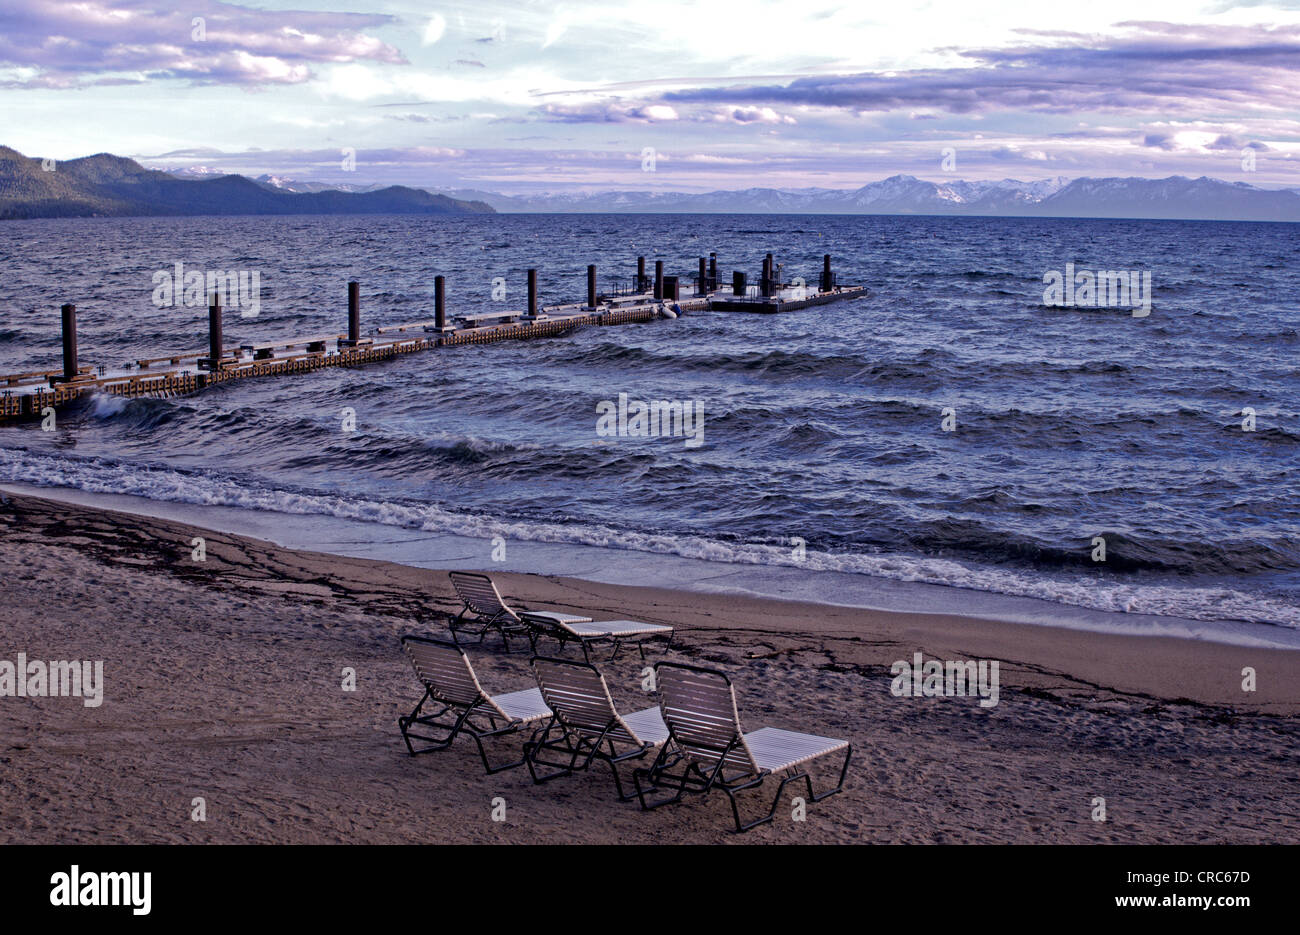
pixel 31 395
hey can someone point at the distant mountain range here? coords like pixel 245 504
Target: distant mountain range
pixel 112 186
pixel 1175 197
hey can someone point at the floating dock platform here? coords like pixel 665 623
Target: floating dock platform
pixel 787 299
pixel 35 394
pixel 772 294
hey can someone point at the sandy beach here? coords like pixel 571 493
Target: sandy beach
pixel 222 681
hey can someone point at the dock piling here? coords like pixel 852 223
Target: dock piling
pixel 828 282
pixel 354 313
pixel 214 332
pixel 591 286
pixel 641 281
pixel 659 279
pixel 713 272
pixel 69 320
pixel 532 293
pixel 440 302
pixel 739 282
pixel 704 278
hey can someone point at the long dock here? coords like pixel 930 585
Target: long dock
pixel 32 395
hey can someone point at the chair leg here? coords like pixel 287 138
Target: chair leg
pixel 433 743
pixel 776 801
pixel 844 771
pixel 532 756
pixel 650 775
pixel 482 752
pixel 613 761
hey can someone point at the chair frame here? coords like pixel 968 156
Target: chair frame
pixel 456 718
pixel 692 780
pixel 576 742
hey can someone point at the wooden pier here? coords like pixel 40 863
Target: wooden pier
pixel 33 394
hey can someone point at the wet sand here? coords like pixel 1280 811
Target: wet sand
pixel 223 682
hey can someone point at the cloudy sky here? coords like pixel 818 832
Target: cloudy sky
pixel 520 97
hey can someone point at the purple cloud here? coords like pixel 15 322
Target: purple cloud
pixel 1231 143
pixel 73 43
pixel 607 111
pixel 1158 67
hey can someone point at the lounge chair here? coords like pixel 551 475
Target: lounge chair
pixel 485 607
pixel 585 725
pixel 709 749
pixel 464 707
pixel 588 633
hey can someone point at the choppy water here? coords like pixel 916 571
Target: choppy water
pixel 824 424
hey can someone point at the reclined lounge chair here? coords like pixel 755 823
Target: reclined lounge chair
pixel 585 725
pixel 487 609
pixel 708 749
pixel 464 707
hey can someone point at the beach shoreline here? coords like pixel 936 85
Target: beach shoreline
pixel 773 577
pixel 222 681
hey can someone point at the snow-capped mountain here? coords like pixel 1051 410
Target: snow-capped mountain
pixel 1174 197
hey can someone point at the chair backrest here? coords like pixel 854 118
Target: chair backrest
pixel 445 670
pixel 543 625
pixel 699 709
pixel 480 594
pixel 578 695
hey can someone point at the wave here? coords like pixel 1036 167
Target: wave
pixel 207 488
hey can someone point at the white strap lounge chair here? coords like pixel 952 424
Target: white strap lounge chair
pixel 487 609
pixel 588 633
pixel 585 725
pixel 464 707
pixel 709 750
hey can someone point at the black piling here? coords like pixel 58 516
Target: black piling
pixel 69 316
pixel 214 332
pixel 827 283
pixel 704 278
pixel 659 279
pixel 440 302
pixel 532 293
pixel 591 286
pixel 713 272
pixel 641 281
pixel 739 282
pixel 354 313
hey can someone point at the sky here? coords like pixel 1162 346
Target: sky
pixel 673 95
